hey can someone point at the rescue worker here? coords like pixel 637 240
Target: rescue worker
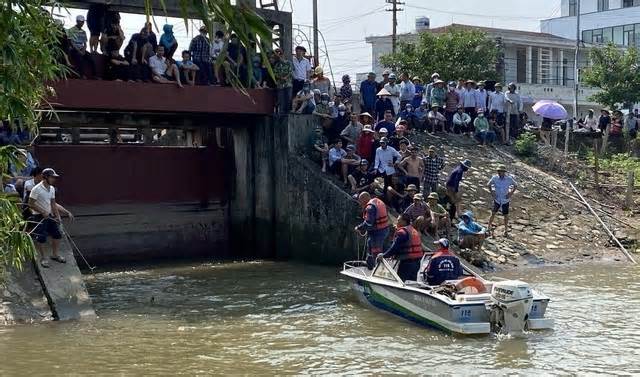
pixel 443 265
pixel 407 248
pixel 376 224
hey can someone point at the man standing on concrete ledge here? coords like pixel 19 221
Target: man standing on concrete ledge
pixel 376 225
pixel 46 216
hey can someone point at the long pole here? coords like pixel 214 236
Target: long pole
pixel 316 54
pixel 622 248
pixel 394 33
pixel 576 73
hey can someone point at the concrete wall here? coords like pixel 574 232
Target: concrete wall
pixel 281 205
pixel 321 216
pixel 137 232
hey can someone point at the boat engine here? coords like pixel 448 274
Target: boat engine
pixel 511 302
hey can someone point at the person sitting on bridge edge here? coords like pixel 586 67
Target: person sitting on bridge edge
pixel 407 248
pixel 443 265
pixel 471 235
pixel 376 224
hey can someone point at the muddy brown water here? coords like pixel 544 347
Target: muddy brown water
pixel 266 318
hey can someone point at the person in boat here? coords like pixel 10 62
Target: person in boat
pixel 443 265
pixel 471 235
pixel 407 248
pixel 375 224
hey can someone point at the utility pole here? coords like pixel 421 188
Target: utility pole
pixel 394 9
pixel 576 83
pixel 316 53
pixel 576 72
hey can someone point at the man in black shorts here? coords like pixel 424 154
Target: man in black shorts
pixel 502 187
pixel 45 216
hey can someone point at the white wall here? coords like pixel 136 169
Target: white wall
pixel 511 66
pixel 566 26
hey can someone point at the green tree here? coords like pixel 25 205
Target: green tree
pixel 615 71
pixel 456 53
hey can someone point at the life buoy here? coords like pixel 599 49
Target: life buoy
pixel 471 285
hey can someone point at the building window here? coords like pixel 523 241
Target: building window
pixel 597 36
pixel 628 35
pixel 617 36
pixel 603 5
pixel 587 36
pixel 607 35
pixel 572 7
pixel 628 3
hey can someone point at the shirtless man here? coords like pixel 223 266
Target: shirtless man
pixel 413 168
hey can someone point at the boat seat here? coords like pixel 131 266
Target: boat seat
pixel 473 297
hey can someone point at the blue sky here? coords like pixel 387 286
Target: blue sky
pixel 345 23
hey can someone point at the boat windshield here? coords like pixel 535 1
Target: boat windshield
pixel 382 271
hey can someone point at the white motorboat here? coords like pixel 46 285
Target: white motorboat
pixel 469 305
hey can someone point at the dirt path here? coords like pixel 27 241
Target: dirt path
pixel 546 224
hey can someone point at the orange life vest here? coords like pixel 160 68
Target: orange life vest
pixel 382 220
pixel 413 248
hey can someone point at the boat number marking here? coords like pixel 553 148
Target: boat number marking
pixel 465 313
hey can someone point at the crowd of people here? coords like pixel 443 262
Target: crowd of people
pixel 151 59
pixel 377 156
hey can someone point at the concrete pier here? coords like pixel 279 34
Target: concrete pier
pixel 64 288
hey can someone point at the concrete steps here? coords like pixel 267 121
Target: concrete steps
pixel 64 287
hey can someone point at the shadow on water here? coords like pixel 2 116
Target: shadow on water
pixel 276 317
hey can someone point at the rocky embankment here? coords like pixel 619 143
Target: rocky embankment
pixel 548 224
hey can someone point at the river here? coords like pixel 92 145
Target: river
pixel 273 317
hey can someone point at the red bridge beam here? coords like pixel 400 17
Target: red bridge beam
pixel 150 97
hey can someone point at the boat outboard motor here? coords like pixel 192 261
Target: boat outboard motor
pixel 511 302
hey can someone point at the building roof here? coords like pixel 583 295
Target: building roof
pixel 508 35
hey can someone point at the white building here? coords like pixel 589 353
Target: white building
pixel 601 21
pixel 540 63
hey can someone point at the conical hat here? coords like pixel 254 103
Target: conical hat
pixel 383 92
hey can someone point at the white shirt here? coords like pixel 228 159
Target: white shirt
pixel 395 96
pixel 515 107
pixel 335 155
pixel 43 197
pixel 461 119
pixel 501 187
pixel 468 98
pixel 481 99
pixel 384 160
pixel 158 65
pixel 301 68
pixel 10 189
pixel 407 91
pixel 591 123
pixel 216 48
pixel 497 101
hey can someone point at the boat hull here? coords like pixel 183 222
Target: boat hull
pixel 424 309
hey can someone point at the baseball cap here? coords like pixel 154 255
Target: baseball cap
pixel 48 172
pixel 364 162
pixel 384 140
pixel 442 241
pixel 79 18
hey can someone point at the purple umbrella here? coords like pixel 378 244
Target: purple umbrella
pixel 550 109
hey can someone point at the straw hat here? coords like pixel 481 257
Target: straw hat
pixel 367 128
pixel 383 92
